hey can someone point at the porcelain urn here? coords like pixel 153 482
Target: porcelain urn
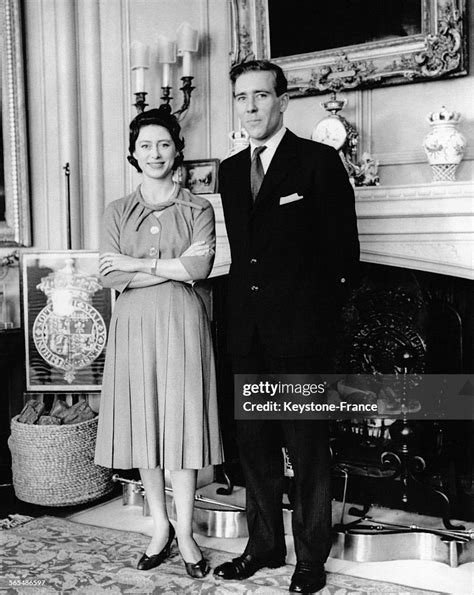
pixel 444 145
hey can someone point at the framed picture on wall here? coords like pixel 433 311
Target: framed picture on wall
pixel 66 313
pixel 200 176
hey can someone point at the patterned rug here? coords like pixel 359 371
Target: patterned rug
pixel 50 555
pixel 14 520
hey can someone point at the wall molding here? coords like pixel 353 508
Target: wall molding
pixel 68 118
pixel 92 153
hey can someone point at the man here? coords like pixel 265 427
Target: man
pixel 289 211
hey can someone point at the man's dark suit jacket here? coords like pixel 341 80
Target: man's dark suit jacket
pixel 292 262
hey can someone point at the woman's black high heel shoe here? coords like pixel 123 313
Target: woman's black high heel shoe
pixel 197 570
pixel 149 562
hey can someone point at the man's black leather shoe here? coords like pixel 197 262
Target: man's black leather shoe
pixel 244 566
pixel 307 578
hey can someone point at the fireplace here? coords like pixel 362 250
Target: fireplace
pixel 424 466
pixel 416 247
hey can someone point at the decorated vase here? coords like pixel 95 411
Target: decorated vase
pixel 444 145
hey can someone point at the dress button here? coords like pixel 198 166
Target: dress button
pixel 152 251
pixel 343 279
pixel 254 288
pixel 154 230
pixel 253 261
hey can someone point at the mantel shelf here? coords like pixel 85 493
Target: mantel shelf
pixel 427 227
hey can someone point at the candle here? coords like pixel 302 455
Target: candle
pixel 140 55
pixel 187 64
pixel 166 56
pixel 187 38
pixel 187 44
pixel 139 80
pixel 166 75
pixel 140 61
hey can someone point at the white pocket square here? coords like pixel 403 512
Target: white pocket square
pixel 290 198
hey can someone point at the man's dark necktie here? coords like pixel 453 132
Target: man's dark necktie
pixel 256 171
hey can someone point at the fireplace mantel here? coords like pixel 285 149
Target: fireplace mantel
pixel 426 227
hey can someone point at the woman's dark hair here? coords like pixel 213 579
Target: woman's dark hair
pixel 156 117
pixel 281 84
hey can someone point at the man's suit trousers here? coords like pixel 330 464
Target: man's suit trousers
pixel 260 446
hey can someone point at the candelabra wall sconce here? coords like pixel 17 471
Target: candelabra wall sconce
pixel 167 52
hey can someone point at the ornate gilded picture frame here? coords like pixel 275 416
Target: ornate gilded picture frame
pixel 436 49
pixel 66 315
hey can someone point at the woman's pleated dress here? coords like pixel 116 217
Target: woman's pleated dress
pixel 158 404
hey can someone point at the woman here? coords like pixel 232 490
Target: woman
pixel 158 405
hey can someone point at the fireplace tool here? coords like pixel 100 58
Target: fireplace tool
pixel 211 517
pixel 371 540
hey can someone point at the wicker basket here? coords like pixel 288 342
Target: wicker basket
pixel 54 465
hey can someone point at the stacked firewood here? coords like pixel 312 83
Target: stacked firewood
pixel 35 412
